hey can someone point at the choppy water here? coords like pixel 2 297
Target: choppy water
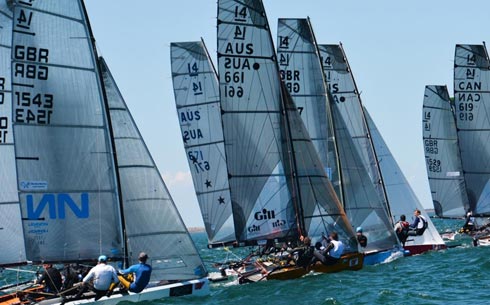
pixel 459 275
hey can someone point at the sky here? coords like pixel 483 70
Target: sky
pixel 394 48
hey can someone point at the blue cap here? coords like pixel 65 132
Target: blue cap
pixel 102 258
pixel 359 229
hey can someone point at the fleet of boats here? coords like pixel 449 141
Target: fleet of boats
pixel 280 147
pixel 455 140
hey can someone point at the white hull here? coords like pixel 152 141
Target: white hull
pixel 198 287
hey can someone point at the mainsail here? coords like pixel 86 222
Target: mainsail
pixel 365 200
pixel 472 103
pixel 198 108
pixel 442 157
pixel 301 71
pixel 152 222
pixel 11 231
pixel 278 184
pixel 64 157
pixel 400 194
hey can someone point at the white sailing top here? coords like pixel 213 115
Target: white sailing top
pixel 103 275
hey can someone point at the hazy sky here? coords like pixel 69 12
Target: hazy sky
pixel 394 48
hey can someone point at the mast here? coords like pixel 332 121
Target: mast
pixel 330 120
pixel 253 123
pixel 111 134
pixel 302 75
pixel 364 201
pixel 381 180
pixel 295 192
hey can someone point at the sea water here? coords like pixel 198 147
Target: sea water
pixel 458 275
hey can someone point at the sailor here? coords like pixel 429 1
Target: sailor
pixel 419 224
pixel 304 253
pixel 361 238
pixel 332 252
pixel 469 224
pixel 102 276
pixel 142 274
pixel 51 278
pixel 401 229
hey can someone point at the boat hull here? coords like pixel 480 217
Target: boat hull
pixel 385 256
pixel 350 261
pixel 199 287
pixel 16 298
pixel 419 249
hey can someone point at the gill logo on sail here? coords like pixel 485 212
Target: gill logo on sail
pixel 57 205
pixel 265 214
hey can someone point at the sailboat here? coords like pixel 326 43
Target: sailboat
pixel 365 198
pixel 471 87
pixel 74 194
pixel 471 99
pixel 199 112
pixel 401 197
pixel 278 186
pixel 442 156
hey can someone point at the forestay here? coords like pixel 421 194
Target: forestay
pixel 301 71
pixel 472 103
pixel 365 200
pixel 442 157
pixel 64 158
pixel 199 112
pixel 11 232
pixel 152 221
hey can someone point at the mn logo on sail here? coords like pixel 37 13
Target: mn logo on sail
pixel 56 205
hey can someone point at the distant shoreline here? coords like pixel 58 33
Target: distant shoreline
pixel 195 229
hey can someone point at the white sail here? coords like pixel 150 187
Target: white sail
pixel 278 184
pixel 152 221
pixel 442 157
pixel 250 100
pixel 401 196
pixel 64 157
pixel 472 103
pixel 301 71
pixel 365 200
pixel 199 112
pixel 11 232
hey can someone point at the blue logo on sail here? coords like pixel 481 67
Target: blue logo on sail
pixel 57 206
